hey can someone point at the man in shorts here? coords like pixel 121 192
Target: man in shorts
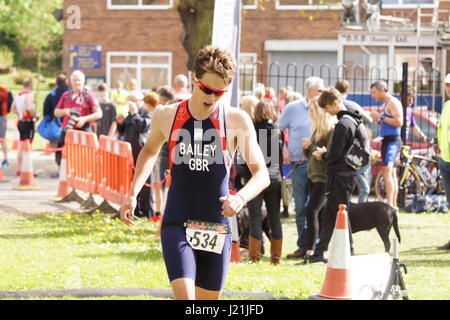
pixel 25 108
pixel 203 136
pixel 391 122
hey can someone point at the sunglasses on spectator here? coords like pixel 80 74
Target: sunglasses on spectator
pixel 207 90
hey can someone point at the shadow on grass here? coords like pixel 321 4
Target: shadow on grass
pixel 409 257
pixel 153 254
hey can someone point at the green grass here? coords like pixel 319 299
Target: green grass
pixel 53 251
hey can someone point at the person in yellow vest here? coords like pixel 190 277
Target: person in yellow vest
pixel 119 97
pixel 443 136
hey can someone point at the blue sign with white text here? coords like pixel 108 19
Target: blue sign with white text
pixel 85 57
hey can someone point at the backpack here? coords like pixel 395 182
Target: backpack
pixel 358 155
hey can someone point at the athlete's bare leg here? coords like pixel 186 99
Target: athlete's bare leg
pixel 19 156
pixel 183 289
pixel 388 184
pixel 395 185
pixel 203 294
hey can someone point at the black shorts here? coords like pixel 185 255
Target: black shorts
pixel 26 129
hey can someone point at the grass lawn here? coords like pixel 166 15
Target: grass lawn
pixel 53 251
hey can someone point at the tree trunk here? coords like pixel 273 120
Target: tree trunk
pixel 197 17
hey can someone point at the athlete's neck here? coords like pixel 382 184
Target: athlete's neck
pixel 199 111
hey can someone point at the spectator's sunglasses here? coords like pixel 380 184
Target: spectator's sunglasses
pixel 207 90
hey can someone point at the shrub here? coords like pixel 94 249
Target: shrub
pixel 6 59
pixel 22 75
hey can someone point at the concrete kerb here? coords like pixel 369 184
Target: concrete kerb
pixel 119 292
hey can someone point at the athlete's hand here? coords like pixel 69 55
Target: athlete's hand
pixel 232 204
pixel 127 211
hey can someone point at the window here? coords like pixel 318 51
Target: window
pixel 367 63
pixel 250 4
pixel 406 3
pixel 247 72
pixel 140 4
pixel 337 4
pixel 150 69
pixel 307 4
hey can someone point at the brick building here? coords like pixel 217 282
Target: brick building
pixel 140 39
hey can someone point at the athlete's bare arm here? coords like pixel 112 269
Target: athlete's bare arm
pixel 397 115
pixel 162 120
pixel 241 134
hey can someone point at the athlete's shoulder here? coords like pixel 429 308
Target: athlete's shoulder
pixel 236 115
pixel 165 111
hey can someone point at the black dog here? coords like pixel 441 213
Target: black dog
pixel 369 215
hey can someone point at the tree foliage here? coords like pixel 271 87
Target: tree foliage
pixel 30 27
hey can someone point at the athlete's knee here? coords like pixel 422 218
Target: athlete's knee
pixel 183 289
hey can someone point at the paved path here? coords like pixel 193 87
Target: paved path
pixel 35 201
pixel 118 292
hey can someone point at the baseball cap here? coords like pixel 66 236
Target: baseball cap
pixel 447 78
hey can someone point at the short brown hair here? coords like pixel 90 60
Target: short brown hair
pixel 342 85
pixel 61 80
pixel 151 99
pixel 216 60
pixel 328 96
pixel 102 87
pixel 265 110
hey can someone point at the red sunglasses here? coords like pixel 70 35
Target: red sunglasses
pixel 208 90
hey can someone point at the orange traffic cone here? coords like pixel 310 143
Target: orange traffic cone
pixel 337 283
pixel 63 187
pixel 26 169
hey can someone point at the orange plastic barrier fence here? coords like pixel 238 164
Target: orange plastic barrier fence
pixel 115 169
pixel 82 162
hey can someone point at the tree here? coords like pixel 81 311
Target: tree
pixel 197 18
pixel 33 27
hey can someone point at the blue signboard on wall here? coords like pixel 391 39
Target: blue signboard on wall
pixel 85 57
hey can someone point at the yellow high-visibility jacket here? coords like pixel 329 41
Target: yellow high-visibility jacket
pixel 443 134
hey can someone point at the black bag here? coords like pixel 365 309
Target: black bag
pixel 358 155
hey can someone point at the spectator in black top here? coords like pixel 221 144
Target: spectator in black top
pixel 341 177
pixel 52 99
pixel 50 103
pixel 134 130
pixel 107 125
pixel 363 175
pixel 269 140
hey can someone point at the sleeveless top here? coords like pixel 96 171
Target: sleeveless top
pixel 200 166
pixel 387 129
pixel 21 107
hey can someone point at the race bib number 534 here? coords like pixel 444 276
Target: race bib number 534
pixel 206 236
